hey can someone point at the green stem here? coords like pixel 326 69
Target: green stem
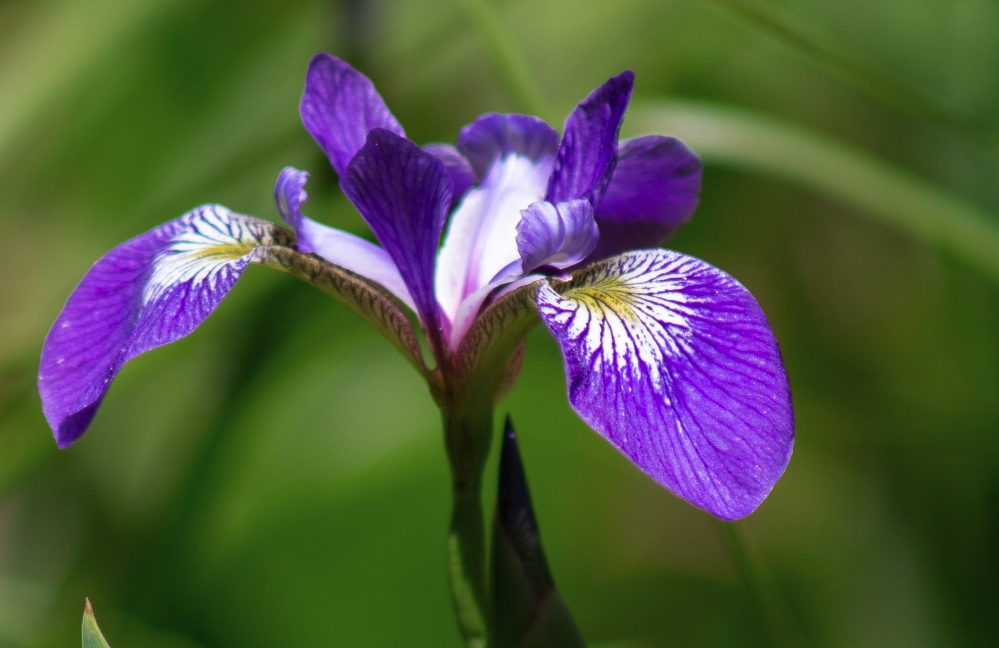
pixel 467 434
pixel 759 581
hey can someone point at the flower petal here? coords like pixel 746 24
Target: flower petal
pixel 673 362
pixel 462 175
pixel 340 106
pixel 147 292
pixel 494 137
pixel 556 235
pixel 586 155
pixel 482 237
pixel 336 246
pixel 654 190
pixel 403 193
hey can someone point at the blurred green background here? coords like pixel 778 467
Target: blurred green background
pixel 278 479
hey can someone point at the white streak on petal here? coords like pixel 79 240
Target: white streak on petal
pixel 673 362
pixel 214 238
pixel 482 237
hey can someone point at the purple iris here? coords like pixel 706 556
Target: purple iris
pixel 667 357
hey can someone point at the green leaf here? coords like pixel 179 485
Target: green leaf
pixel 92 637
pixel 527 609
pixel 745 140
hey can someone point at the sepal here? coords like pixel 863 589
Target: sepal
pixel 149 291
pixel 673 361
pixel 527 608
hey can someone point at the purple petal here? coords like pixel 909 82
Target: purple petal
pixel 403 193
pixel 340 106
pixel 289 194
pixel 336 246
pixel 462 176
pixel 588 150
pixel 673 362
pixel 147 292
pixel 556 235
pixel 494 137
pixel 654 190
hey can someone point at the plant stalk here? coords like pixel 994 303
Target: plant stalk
pixel 467 435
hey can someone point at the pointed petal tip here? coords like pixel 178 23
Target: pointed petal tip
pixel 339 107
pixel 88 609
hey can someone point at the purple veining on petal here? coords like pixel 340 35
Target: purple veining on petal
pixel 336 246
pixel 559 235
pixel 674 363
pixel 588 150
pixel 340 106
pixel 493 137
pixel 654 190
pixel 403 193
pixel 460 170
pixel 147 292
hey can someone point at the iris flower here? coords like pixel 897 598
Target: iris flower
pixel 667 357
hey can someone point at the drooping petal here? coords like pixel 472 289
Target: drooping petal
pixel 147 292
pixel 462 175
pixel 403 193
pixel 673 362
pixel 336 246
pixel 493 137
pixel 654 190
pixel 587 153
pixel 558 236
pixel 340 106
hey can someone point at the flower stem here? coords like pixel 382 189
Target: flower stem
pixel 467 435
pixel 759 581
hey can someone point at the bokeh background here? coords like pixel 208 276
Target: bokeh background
pixel 278 479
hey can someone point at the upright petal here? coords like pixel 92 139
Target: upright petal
pixel 336 246
pixel 462 175
pixel 403 193
pixel 587 153
pixel 494 137
pixel 340 106
pixel 558 236
pixel 674 363
pixel 512 156
pixel 147 292
pixel 654 190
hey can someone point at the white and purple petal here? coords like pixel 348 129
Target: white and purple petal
pixel 494 137
pixel 653 191
pixel 481 239
pixel 336 246
pixel 588 150
pixel 404 194
pixel 674 363
pixel 339 107
pixel 147 292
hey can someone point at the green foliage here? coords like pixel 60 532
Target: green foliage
pixel 92 637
